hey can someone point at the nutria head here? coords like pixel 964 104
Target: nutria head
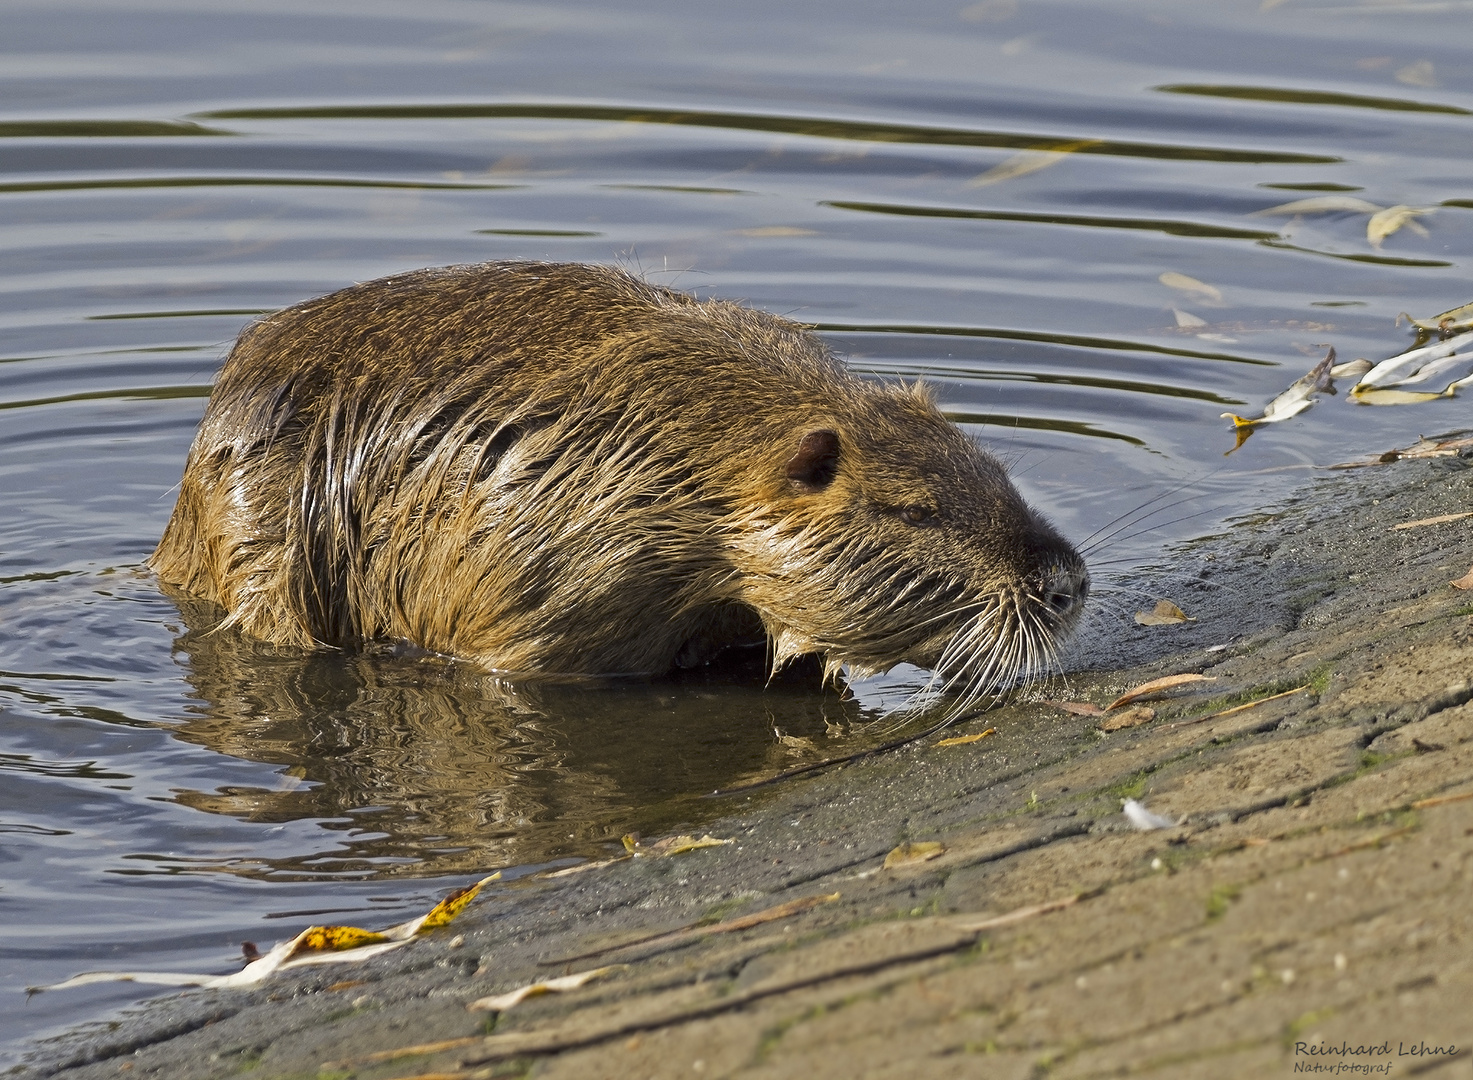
pixel 893 537
pixel 555 468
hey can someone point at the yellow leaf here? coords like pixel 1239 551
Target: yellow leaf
pixel 1130 718
pixel 1157 686
pixel 335 939
pixel 454 904
pixel 914 853
pixel 1165 613
pixel 962 740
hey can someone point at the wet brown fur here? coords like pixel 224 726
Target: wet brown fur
pixel 558 468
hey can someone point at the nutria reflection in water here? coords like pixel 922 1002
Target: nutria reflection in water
pixel 560 469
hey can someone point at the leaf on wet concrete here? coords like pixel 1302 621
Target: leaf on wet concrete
pixel 1294 400
pixel 909 853
pixel 1157 686
pixel 1465 582
pixel 1132 717
pixel 314 945
pixel 562 984
pixel 1320 204
pixel 963 740
pixel 1385 222
pixel 1440 519
pixel 671 845
pixel 1078 708
pixel 1422 448
pixel 1182 283
pixel 1165 613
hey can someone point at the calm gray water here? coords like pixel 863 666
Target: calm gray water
pixel 169 170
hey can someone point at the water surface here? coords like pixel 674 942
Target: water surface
pixel 985 196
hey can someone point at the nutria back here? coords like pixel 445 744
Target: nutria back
pixel 558 468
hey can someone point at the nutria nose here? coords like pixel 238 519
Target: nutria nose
pixel 1065 589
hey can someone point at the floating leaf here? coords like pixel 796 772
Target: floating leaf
pixel 1320 204
pixel 1364 395
pixel 1133 717
pixel 1029 161
pixel 913 853
pixel 1165 613
pixel 776 230
pixel 1157 686
pixel 1143 819
pixel 1181 282
pixel 1465 582
pixel 1294 400
pixel 1417 73
pixel 502 1002
pixel 1078 708
pixel 1351 368
pixel 314 945
pixel 1448 320
pixel 962 740
pixel 1440 519
pixel 1385 222
pixel 1186 320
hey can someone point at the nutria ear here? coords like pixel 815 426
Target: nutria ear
pixel 813 467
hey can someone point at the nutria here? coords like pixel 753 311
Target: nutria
pixel 558 468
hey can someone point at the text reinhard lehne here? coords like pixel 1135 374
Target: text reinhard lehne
pixel 1364 1050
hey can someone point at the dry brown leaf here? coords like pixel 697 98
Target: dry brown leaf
pixel 1440 519
pixel 502 1002
pixel 962 740
pixel 1128 719
pixel 913 853
pixel 1165 613
pixel 1157 686
pixel 1465 582
pixel 1078 708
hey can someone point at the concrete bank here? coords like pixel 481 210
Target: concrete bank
pixel 1308 910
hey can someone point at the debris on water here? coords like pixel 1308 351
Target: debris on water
pixel 1294 400
pixel 1165 613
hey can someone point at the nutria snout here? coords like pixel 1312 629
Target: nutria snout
pixel 557 468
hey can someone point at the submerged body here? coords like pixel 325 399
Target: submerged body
pixel 558 468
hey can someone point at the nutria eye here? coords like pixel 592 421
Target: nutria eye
pixel 915 513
